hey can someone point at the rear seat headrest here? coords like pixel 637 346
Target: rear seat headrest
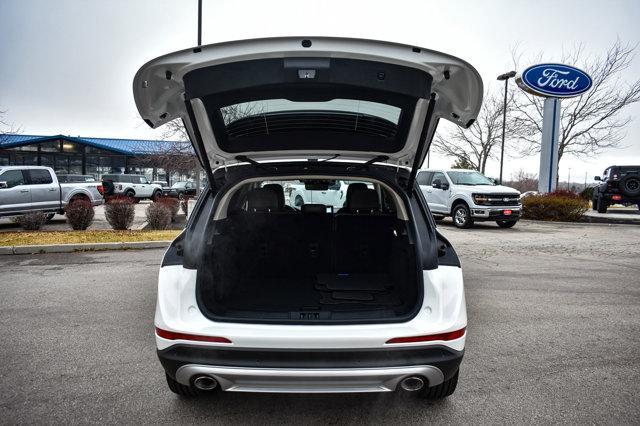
pixel 314 209
pixel 357 186
pixel 262 200
pixel 363 201
pixel 279 191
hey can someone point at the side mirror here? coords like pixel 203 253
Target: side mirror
pixel 437 183
pixel 597 178
pixel 3 185
pixel 444 186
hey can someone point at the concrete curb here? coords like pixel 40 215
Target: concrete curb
pixel 68 248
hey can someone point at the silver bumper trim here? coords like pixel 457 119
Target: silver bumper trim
pixel 285 380
pixel 486 210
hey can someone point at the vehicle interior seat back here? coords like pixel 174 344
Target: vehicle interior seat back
pixel 363 234
pixel 353 187
pixel 279 191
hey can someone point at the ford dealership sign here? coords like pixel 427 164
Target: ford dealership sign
pixel 554 80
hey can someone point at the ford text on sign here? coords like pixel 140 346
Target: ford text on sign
pixel 554 80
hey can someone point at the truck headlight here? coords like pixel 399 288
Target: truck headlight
pixel 480 199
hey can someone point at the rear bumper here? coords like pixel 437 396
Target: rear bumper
pixel 310 371
pixel 620 199
pixel 309 380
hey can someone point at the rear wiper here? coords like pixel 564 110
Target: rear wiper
pixel 370 162
pixel 253 162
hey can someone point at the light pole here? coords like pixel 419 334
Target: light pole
pixel 505 77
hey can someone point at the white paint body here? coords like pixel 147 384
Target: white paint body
pixel 441 201
pixel 443 309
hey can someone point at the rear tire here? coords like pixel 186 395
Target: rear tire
pixel 442 390
pixel 462 216
pixel 601 205
pixel 180 389
pixel 156 196
pixel 131 195
pixel 506 223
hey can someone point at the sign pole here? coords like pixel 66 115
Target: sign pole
pixel 549 147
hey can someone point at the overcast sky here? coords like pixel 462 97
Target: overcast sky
pixel 67 66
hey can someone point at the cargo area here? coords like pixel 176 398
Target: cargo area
pixel 269 261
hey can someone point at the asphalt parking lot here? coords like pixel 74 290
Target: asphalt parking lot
pixel 553 337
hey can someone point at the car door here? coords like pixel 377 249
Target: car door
pixel 423 179
pixel 439 197
pixel 144 188
pixel 45 193
pixel 15 195
pixel 190 189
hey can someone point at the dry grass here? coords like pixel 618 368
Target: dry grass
pixel 77 237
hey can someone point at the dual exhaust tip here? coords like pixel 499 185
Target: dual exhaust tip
pixel 205 383
pixel 412 384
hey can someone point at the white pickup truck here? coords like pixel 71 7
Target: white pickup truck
pixel 468 196
pixel 25 189
pixel 334 195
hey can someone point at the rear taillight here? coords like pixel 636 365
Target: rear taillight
pixel 452 335
pixel 171 335
pixel 100 189
pixel 616 197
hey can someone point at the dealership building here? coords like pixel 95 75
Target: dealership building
pixel 88 156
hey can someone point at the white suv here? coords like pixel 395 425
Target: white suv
pixel 256 296
pixel 468 196
pixel 136 187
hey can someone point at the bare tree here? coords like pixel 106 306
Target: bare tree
pixel 523 181
pixel 472 147
pixel 462 163
pixel 6 127
pixel 177 155
pixel 589 123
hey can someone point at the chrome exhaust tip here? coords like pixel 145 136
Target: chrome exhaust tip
pixel 205 383
pixel 412 384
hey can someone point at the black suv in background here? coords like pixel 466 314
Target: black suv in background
pixel 618 185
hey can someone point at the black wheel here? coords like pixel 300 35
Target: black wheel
pixel 506 223
pixel 180 389
pixel 462 216
pixel 594 203
pixel 631 186
pixel 298 201
pixel 180 196
pixel 156 195
pixel 601 205
pixel 442 390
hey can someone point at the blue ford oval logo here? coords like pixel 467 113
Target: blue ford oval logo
pixel 554 80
